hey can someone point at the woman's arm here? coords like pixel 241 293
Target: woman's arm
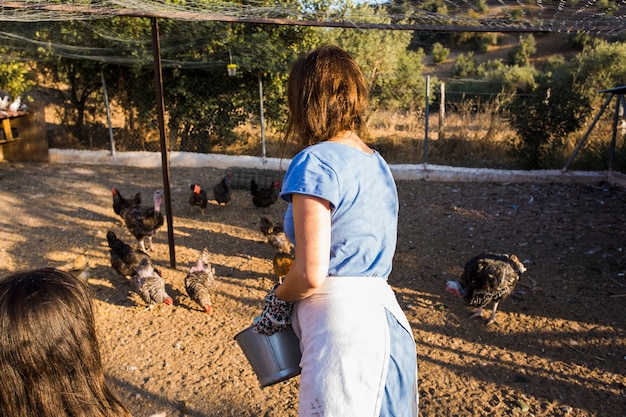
pixel 311 217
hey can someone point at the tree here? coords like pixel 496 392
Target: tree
pixel 544 114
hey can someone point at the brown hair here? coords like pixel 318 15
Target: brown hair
pixel 327 94
pixel 49 355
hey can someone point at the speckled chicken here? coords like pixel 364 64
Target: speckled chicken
pixel 124 258
pixel 150 285
pixel 198 197
pixel 199 280
pixel 222 190
pixel 144 221
pixel 487 278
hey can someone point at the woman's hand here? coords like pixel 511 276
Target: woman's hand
pixel 276 314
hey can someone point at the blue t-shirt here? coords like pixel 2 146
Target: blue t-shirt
pixel 364 205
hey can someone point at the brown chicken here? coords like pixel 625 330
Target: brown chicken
pixel 144 221
pixel 198 197
pixel 79 267
pixel 487 278
pixel 198 281
pixel 221 191
pixel 264 197
pixel 284 256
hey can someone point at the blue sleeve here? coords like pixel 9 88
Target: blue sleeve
pixel 308 175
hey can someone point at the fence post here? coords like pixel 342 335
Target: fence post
pixel 427 111
pixel 442 111
pixel 106 104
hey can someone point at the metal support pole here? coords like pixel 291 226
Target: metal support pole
pixel 427 114
pixel 108 109
pixel 158 81
pixel 584 139
pixel 262 114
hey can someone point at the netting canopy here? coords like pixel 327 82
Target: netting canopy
pixel 593 16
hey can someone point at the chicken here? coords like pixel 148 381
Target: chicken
pixel 144 221
pixel 79 267
pixel 124 258
pixel 275 235
pixel 283 257
pixel 198 197
pixel 198 281
pixel 487 278
pixel 281 263
pixel 221 191
pixel 120 203
pixel 15 106
pixel 150 285
pixel 4 102
pixel 264 197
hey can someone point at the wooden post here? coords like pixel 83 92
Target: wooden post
pixel 442 112
pixel 427 111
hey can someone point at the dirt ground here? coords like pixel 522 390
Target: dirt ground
pixel 558 349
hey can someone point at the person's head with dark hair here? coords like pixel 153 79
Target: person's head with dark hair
pixel 49 355
pixel 327 95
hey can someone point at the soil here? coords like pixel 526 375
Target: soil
pixel 558 347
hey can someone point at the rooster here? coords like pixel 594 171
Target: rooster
pixel 264 197
pixel 150 285
pixel 124 258
pixel 198 280
pixel 144 221
pixel 198 197
pixel 221 191
pixel 120 203
pixel 283 257
pixel 487 278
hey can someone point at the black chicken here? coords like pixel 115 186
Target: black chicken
pixel 264 197
pixel 198 281
pixel 120 203
pixel 144 221
pixel 198 197
pixel 124 258
pixel 487 278
pixel 221 190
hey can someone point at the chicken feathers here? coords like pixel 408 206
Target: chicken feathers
pixel 222 191
pixel 198 281
pixel 124 258
pixel 264 197
pixel 284 256
pixel 487 278
pixel 120 204
pixel 198 197
pixel 150 285
pixel 144 221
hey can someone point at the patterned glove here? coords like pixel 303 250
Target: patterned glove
pixel 276 314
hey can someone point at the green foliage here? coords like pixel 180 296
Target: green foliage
pixel 15 78
pixel 405 89
pixel 440 53
pixel 527 46
pixel 464 65
pixel 544 115
pixel 601 66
